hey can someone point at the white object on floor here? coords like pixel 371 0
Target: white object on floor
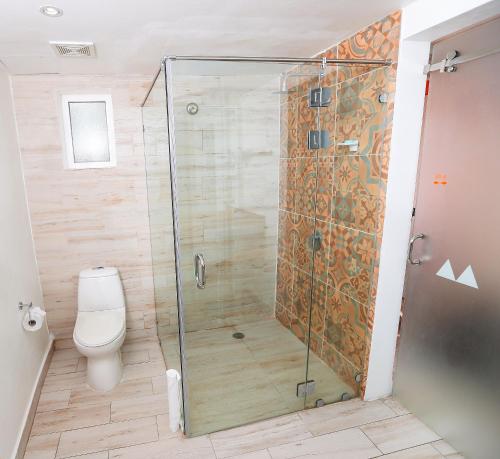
pixel 33 319
pixel 174 399
pixel 100 325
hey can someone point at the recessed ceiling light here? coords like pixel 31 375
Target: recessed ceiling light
pixel 51 11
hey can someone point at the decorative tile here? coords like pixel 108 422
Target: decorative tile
pixel 377 41
pixel 360 116
pixel 286 235
pixel 322 231
pixel 282 315
pixel 366 213
pixel 346 326
pixel 306 187
pixel 287 184
pixel 324 187
pixel 344 369
pixel 284 281
pixel 343 209
pixel 301 295
pixel 303 248
pixel 352 260
pixel 318 307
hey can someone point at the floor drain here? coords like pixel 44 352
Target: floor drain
pixel 238 335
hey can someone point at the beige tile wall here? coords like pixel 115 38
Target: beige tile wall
pixel 85 218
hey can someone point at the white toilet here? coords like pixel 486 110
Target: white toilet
pixel 100 325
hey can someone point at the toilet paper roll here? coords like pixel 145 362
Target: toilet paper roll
pixel 33 320
pixel 174 399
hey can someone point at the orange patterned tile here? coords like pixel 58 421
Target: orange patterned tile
pixel 346 326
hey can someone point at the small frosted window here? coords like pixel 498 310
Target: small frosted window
pixel 88 128
pixel 89 131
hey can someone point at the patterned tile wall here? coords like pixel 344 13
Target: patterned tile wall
pixel 333 199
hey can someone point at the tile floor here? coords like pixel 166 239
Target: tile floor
pixel 234 382
pixel 131 422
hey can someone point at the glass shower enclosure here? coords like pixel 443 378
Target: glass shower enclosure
pixel 240 176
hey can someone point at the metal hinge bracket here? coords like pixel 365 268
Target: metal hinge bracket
pixel 306 388
pixel 320 97
pixel 317 140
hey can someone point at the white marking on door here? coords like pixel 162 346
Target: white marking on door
pixel 468 278
pixel 446 271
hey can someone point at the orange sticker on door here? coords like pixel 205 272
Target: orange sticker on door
pixel 440 179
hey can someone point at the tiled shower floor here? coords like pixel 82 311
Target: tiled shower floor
pixel 234 382
pixel 131 422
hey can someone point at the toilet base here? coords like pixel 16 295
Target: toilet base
pixel 104 373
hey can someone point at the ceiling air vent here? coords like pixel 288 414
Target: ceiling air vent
pixel 73 48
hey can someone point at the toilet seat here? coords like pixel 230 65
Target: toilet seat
pixel 98 328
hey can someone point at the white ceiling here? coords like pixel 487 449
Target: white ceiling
pixel 132 36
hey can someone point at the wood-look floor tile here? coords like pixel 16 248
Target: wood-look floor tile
pixel 418 452
pixel 340 416
pixel 42 446
pixel 444 448
pixel 65 381
pixel 58 367
pixel 143 370
pixel 124 390
pixel 65 354
pixel 82 364
pixel 172 448
pixel 259 436
pixel 101 455
pixel 139 407
pixel 395 406
pixel 346 444
pixel 159 384
pixel 70 418
pixel 399 433
pixel 135 357
pixel 50 401
pixel 164 431
pixel 262 454
pixel 107 436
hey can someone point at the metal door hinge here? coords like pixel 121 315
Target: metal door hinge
pixel 320 97
pixel 317 140
pixel 306 388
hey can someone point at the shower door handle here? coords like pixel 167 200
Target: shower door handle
pixel 199 270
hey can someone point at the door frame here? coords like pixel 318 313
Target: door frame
pixel 423 22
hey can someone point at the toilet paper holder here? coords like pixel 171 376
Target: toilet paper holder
pixel 22 305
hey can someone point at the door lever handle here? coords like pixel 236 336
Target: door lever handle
pixel 410 249
pixel 199 270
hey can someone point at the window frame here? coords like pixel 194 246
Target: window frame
pixel 69 156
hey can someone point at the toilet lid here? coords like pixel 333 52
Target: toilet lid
pixel 98 328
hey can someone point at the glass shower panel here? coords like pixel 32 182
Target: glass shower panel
pixel 349 197
pixel 156 153
pixel 242 363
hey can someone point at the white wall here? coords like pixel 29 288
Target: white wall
pixel 21 353
pixel 423 21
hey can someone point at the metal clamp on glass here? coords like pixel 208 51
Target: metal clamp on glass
pixel 199 270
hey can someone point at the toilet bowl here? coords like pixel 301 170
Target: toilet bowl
pixel 100 325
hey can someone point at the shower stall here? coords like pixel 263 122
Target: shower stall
pixel 250 206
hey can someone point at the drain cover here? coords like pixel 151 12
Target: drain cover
pixel 238 335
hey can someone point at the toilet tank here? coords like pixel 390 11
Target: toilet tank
pixel 100 288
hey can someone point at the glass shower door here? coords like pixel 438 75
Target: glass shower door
pixel 241 363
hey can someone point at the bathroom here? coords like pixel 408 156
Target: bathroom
pixel 227 233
